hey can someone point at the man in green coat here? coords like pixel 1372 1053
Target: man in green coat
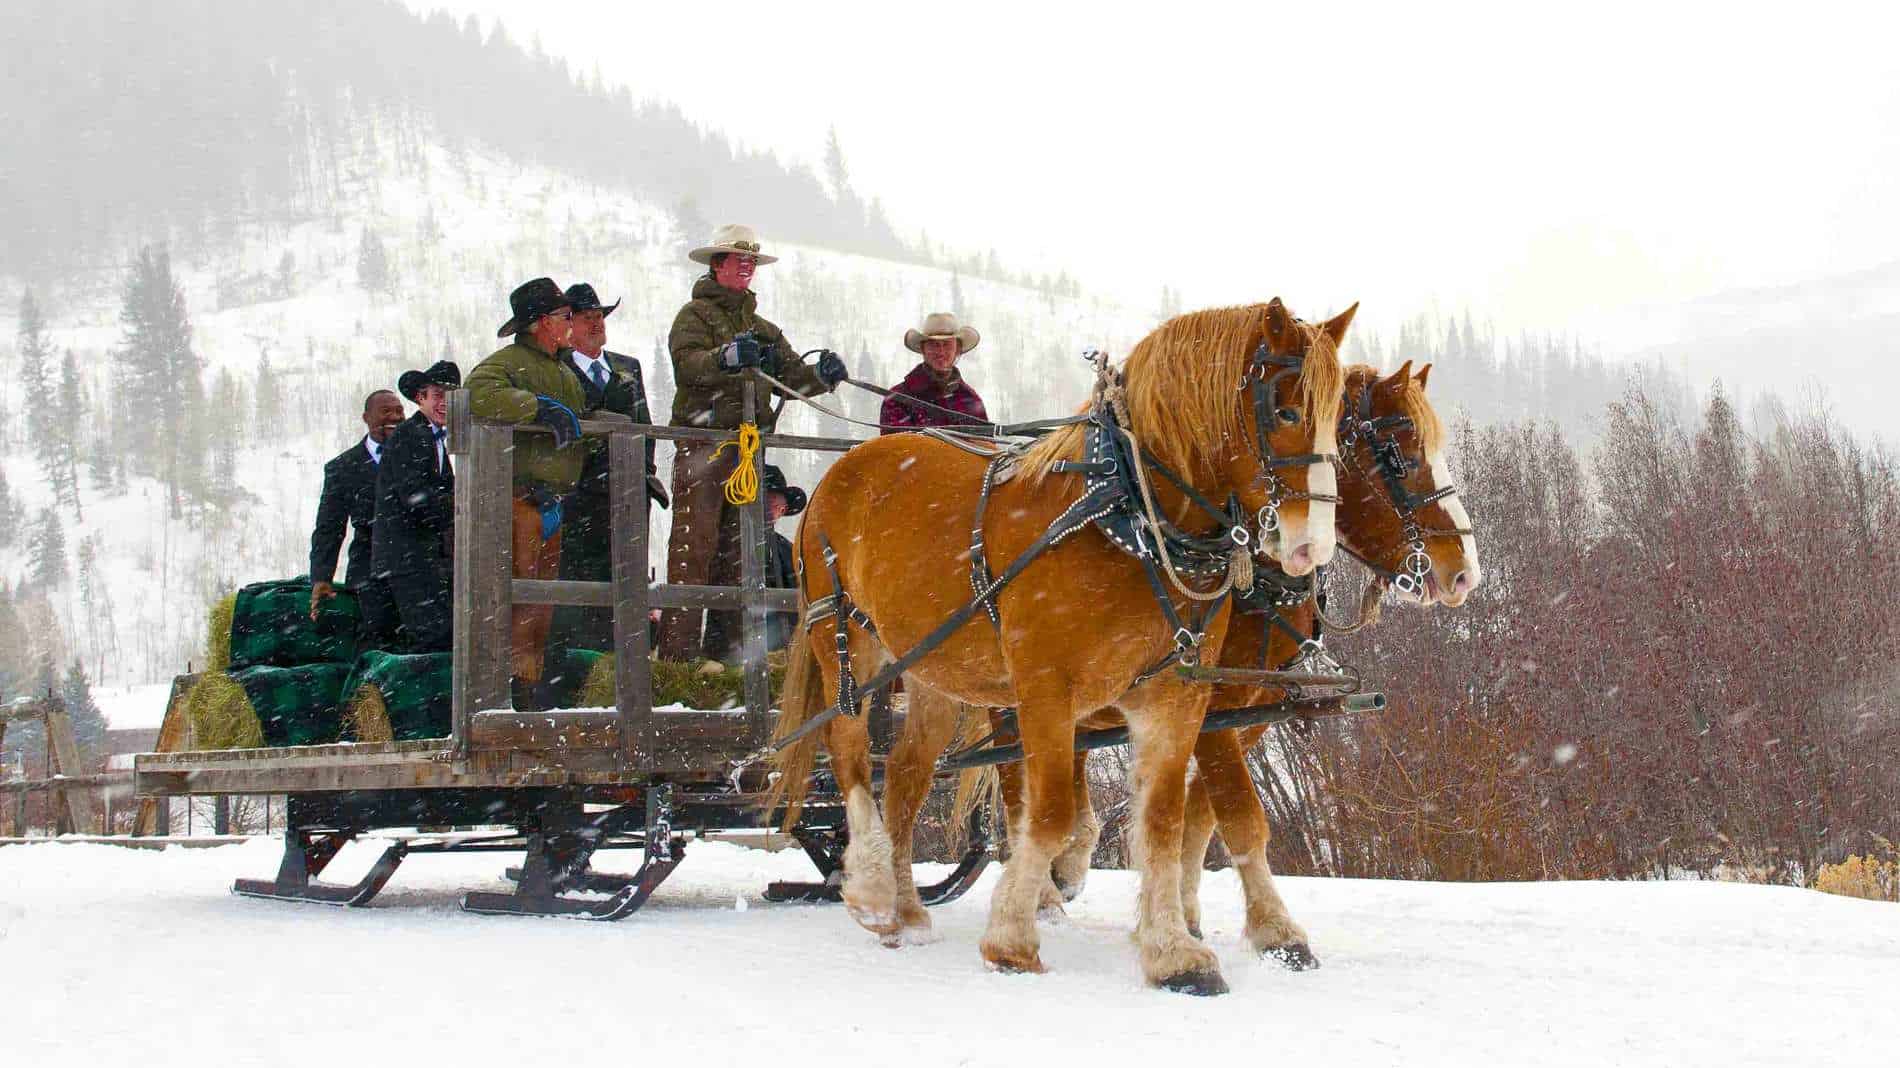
pixel 525 383
pixel 717 338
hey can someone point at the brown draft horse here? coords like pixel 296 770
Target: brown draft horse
pixel 1079 626
pixel 1372 524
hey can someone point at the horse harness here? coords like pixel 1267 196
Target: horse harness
pixel 1393 467
pixel 1111 501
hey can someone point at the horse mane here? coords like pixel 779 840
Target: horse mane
pixel 1182 381
pixel 1413 404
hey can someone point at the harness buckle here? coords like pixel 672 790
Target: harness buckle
pixel 1189 644
pixel 1238 534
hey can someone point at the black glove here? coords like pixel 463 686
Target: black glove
pixel 657 492
pixel 559 418
pixel 831 369
pixel 739 353
pixel 768 360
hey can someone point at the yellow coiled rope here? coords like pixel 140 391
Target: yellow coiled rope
pixel 742 486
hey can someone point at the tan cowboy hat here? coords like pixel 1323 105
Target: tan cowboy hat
pixel 732 237
pixel 942 324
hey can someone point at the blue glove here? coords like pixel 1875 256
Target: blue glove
pixel 831 369
pixel 549 505
pixel 559 418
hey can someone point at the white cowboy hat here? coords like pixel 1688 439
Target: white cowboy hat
pixel 941 325
pixel 732 237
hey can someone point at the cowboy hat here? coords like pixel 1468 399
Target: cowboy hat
pixel 444 374
pixel 732 237
pixel 775 483
pixel 530 301
pixel 581 297
pixel 939 325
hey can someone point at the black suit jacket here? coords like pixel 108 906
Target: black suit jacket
pixel 415 503
pixel 348 502
pixel 626 393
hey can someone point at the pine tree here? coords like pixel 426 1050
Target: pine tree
pixel 9 512
pixel 36 366
pixel 836 175
pixel 269 406
pixel 59 445
pixel 89 722
pixel 163 394
pixel 287 275
pixel 46 551
pixel 372 263
pixel 956 296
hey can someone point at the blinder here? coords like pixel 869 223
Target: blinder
pixel 1394 467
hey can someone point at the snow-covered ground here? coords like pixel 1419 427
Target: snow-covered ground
pixel 124 955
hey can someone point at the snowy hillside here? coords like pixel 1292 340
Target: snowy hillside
pixel 460 231
pixel 147 956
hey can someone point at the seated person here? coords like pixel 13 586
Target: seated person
pixel 946 399
pixel 782 501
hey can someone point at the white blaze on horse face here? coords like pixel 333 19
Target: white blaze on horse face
pixel 1455 510
pixel 1320 537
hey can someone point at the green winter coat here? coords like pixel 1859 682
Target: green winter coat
pixel 704 395
pixel 504 387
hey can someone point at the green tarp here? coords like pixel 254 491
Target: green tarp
pixel 296 705
pixel 271 625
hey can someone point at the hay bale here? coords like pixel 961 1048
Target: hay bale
pixel 218 634
pixel 221 714
pixel 395 697
pixel 568 678
pixel 271 625
pixel 366 716
pixel 676 683
pixel 296 705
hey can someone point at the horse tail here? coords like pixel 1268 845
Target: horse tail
pixel 802 698
pixel 977 786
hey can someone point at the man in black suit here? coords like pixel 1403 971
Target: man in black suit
pixel 348 503
pixel 613 383
pixel 413 544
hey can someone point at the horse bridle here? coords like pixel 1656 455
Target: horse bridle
pixel 1393 467
pixel 1262 379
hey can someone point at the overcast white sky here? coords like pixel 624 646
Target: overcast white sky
pixel 1541 168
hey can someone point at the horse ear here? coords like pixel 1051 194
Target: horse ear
pixel 1335 327
pixel 1422 372
pixel 1404 372
pixel 1279 320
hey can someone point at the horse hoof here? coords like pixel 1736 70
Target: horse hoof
pixel 1069 889
pixel 1012 963
pixel 911 935
pixel 1200 983
pixel 1296 956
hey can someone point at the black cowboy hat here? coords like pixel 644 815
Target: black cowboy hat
pixel 775 483
pixel 530 301
pixel 444 374
pixel 581 297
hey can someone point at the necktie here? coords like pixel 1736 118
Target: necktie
pixel 600 374
pixel 441 450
